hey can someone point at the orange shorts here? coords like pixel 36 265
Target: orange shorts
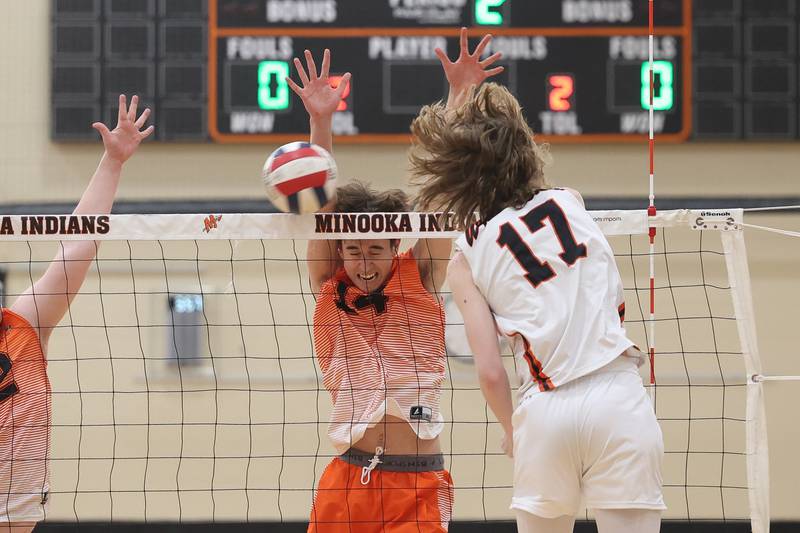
pixel 404 494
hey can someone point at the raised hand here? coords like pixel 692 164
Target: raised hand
pixel 121 142
pixel 468 69
pixel 319 97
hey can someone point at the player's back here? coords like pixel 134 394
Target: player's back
pixel 549 276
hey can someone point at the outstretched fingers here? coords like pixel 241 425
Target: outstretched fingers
pixel 294 87
pixel 343 84
pixel 494 71
pixel 142 119
pixel 301 72
pixel 464 45
pixel 442 57
pixel 326 63
pixel 312 67
pixel 133 108
pixel 122 114
pixel 146 133
pixel 482 46
pixel 491 59
pixel 102 129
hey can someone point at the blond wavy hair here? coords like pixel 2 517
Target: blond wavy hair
pixel 478 158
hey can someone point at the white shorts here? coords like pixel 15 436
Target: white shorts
pixel 595 438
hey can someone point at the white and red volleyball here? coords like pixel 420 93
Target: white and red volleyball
pixel 299 177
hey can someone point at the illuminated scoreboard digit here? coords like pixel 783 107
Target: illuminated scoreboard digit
pixel 581 74
pixel 487 13
pixel 273 91
pixel 561 89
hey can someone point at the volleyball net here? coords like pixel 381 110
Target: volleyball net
pixel 184 384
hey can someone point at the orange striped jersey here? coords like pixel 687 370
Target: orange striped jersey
pixel 550 278
pixel 24 421
pixel 381 353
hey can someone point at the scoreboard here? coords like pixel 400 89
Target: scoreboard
pixel 579 67
pixel 215 69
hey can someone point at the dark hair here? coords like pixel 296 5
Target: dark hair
pixel 479 157
pixel 359 197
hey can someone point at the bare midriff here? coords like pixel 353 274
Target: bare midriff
pixel 396 437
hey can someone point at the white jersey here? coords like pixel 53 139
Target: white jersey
pixel 550 278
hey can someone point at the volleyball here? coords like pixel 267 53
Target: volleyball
pixel 299 177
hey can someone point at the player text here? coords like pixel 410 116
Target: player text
pixel 405 47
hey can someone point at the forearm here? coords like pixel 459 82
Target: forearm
pixel 432 257
pixel 497 391
pixel 49 298
pixel 456 96
pixel 98 198
pixel 482 337
pixel 322 131
pixel 321 255
pixel 322 261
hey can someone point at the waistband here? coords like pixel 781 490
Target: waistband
pixel 628 361
pixel 396 463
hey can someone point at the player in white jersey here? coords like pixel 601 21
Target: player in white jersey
pixel 537 269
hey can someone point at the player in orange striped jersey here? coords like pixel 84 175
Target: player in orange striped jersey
pixel 379 341
pixel 26 328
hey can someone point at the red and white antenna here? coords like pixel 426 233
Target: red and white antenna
pixel 651 209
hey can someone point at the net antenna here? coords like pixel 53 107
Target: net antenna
pixel 736 259
pixel 651 209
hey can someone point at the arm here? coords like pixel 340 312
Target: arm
pixel 432 256
pixel 468 70
pixel 44 304
pixel 480 326
pixel 322 256
pixel 320 101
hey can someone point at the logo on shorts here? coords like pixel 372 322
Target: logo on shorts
pixel 420 412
